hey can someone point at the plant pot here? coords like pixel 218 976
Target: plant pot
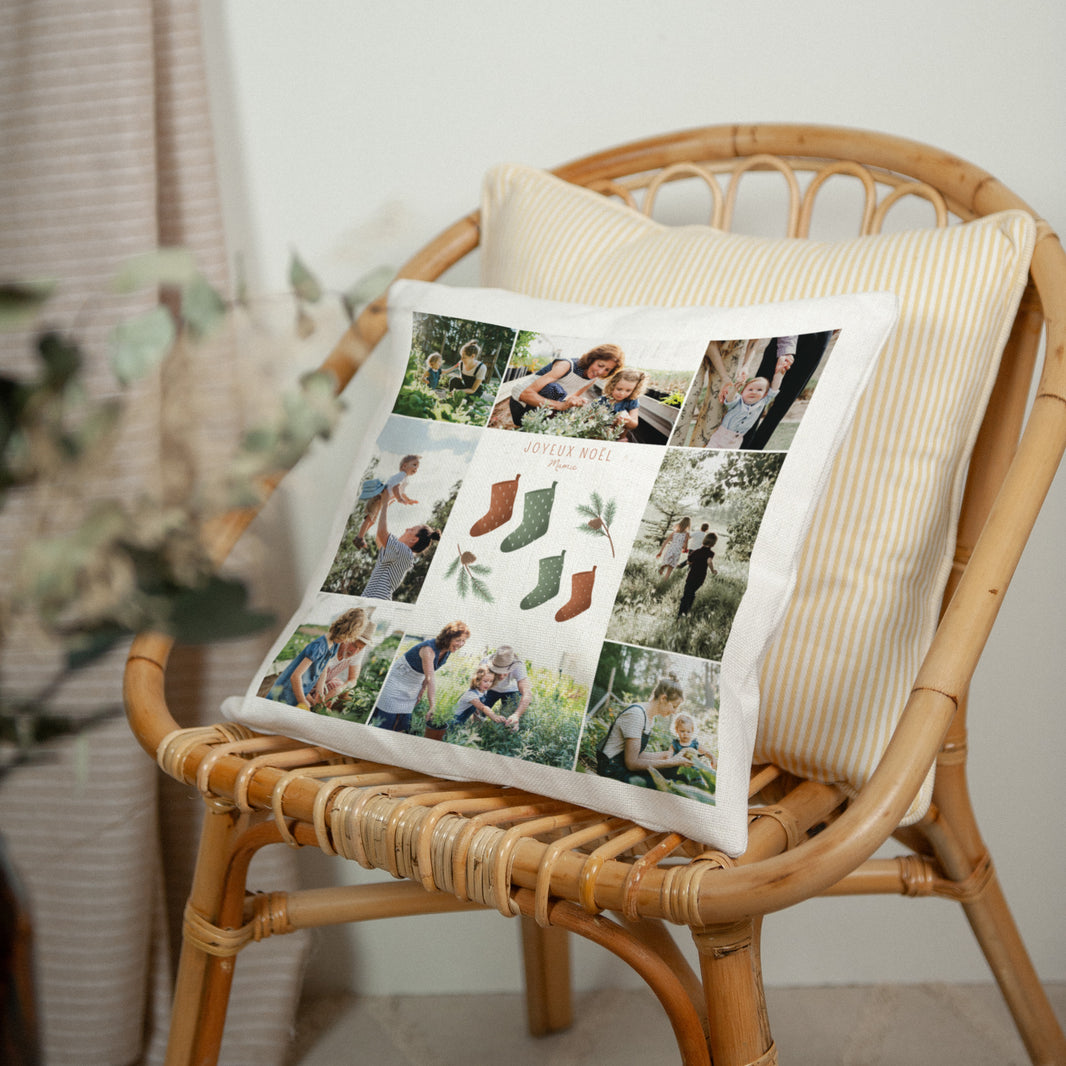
pixel 435 732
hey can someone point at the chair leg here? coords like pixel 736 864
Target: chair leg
pixel 730 962
pixel 546 956
pixel 957 842
pixel 201 992
pixel 993 925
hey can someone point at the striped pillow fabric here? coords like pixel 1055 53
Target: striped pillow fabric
pixel 876 559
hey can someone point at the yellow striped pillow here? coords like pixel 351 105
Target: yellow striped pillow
pixel 876 559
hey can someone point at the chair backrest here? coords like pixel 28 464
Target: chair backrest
pixel 900 184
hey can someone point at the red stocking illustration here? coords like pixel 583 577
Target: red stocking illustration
pixel 501 505
pixel 580 595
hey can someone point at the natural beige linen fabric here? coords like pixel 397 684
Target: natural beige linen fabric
pixel 105 151
pixel 878 554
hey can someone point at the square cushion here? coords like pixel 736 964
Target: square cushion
pixel 571 561
pixel 874 564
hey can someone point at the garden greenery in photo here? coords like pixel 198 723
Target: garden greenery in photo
pixel 726 491
pixel 549 731
pixel 447 402
pixel 627 675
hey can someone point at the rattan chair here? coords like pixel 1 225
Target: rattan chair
pixel 563 869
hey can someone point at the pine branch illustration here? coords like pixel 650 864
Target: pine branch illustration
pixel 468 569
pixel 599 518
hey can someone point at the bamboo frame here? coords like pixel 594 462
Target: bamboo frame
pixel 560 867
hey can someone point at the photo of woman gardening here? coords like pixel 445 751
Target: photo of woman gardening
pixel 752 394
pixel 453 371
pixel 688 567
pixel 485 696
pixel 414 676
pixel 653 721
pixel 403 500
pixel 571 387
pixel 327 664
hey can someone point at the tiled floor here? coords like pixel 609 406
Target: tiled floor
pixel 896 1025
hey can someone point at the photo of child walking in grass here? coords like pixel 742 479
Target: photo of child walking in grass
pixel 685 601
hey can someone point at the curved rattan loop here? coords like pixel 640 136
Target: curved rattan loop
pixel 321 811
pixel 794 833
pixel 219 751
pixel 849 169
pixel 460 852
pixel 686 170
pixel 277 795
pixel 177 745
pixel 762 161
pixel 345 820
pixel 503 858
pixel 571 842
pixel 302 755
pixel 392 845
pixel 594 863
pixel 910 188
pixel 479 863
pixel 680 894
pixel 669 843
pixel 429 855
pixel 615 188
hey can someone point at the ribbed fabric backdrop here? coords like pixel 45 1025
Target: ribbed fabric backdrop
pixel 105 152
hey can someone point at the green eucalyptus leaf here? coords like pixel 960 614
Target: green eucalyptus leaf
pixel 21 300
pixel 61 356
pixel 164 266
pixel 216 610
pixel 202 308
pixel 140 344
pixel 371 285
pixel 304 283
pixel 88 646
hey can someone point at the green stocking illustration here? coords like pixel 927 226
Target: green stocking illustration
pixel 501 504
pixel 551 573
pixel 536 512
pixel 580 595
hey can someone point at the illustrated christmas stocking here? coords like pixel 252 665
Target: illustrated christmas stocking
pixel 580 595
pixel 536 512
pixel 551 574
pixel 501 504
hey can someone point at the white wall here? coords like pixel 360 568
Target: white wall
pixel 355 131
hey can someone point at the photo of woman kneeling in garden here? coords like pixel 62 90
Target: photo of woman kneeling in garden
pixel 485 696
pixel 653 722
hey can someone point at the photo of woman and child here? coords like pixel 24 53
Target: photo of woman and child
pixel 564 387
pixel 752 394
pixel 452 370
pixel 638 733
pixel 326 666
pixel 486 697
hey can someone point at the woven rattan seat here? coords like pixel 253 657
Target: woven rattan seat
pixel 561 868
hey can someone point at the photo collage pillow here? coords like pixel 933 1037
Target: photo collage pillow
pixel 566 544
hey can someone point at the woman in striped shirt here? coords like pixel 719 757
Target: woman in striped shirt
pixel 397 555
